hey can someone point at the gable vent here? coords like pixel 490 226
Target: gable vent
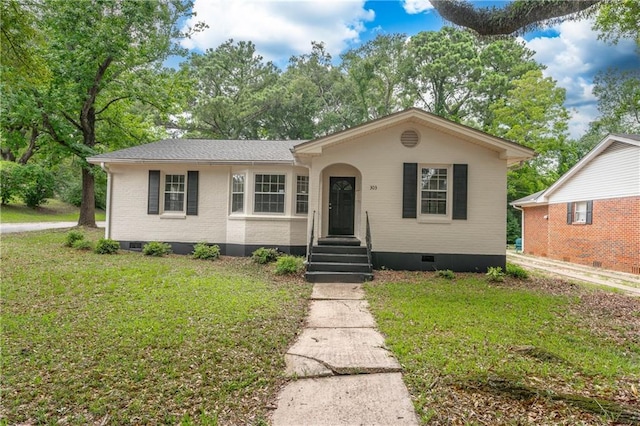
pixel 409 138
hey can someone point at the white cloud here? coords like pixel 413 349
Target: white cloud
pixel 413 7
pixel 573 58
pixel 280 29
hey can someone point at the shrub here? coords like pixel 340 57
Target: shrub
pixel 446 273
pixel 82 245
pixel 287 265
pixel 36 184
pixel 495 274
pixel 155 248
pixel 265 255
pixel 206 252
pixel 107 246
pixel 73 236
pixel 516 271
pixel 9 181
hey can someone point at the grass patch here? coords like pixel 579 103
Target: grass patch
pixel 52 211
pixel 455 338
pixel 137 339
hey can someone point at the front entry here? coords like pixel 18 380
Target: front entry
pixel 342 202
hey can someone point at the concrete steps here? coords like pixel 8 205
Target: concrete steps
pixel 339 259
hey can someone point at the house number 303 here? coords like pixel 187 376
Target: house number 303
pixel 373 188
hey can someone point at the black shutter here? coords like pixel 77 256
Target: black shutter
pixel 192 193
pixel 589 212
pixel 569 213
pixel 460 191
pixel 410 190
pixel 153 205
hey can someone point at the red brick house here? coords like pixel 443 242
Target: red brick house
pixel 591 215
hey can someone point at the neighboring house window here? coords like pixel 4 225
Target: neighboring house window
pixel 302 194
pixel 433 191
pixel 237 194
pixel 580 212
pixel 174 193
pixel 269 193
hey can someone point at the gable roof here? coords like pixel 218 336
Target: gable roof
pixel 203 151
pixel 542 196
pixel 512 152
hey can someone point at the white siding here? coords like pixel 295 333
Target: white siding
pixel 378 159
pixel 612 174
pixel 214 223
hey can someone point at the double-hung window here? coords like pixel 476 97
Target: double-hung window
pixel 580 212
pixel 174 193
pixel 433 191
pixel 237 193
pixel 302 195
pixel 269 193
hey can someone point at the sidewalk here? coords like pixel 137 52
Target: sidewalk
pixel 11 228
pixel 628 283
pixel 345 376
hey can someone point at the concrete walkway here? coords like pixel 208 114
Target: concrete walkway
pixel 628 283
pixel 11 228
pixel 344 375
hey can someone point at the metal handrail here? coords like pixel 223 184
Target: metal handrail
pixel 368 239
pixel 310 247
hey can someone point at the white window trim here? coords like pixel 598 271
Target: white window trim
pixel 173 213
pixel 295 201
pixel 244 195
pixel 583 211
pixel 253 191
pixel 430 217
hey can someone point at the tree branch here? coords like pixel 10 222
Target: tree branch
pixel 71 120
pixel 514 17
pixel 112 101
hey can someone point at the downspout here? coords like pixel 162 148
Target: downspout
pixel 107 230
pixel 522 222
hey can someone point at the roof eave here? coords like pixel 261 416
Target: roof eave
pixel 98 160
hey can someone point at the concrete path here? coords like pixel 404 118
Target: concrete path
pixel 628 283
pixel 344 374
pixel 11 228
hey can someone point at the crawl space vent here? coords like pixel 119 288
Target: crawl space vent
pixel 409 138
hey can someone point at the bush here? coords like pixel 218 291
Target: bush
pixel 36 184
pixel 73 236
pixel 155 248
pixel 446 273
pixel 107 246
pixel 82 245
pixel 265 255
pixel 206 252
pixel 9 181
pixel 516 271
pixel 495 274
pixel 287 265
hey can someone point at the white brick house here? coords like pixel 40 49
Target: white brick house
pixel 434 192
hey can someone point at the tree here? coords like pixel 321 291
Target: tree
pixel 457 76
pixel 618 94
pixel 231 86
pixel 516 17
pixel 619 19
pixel 104 57
pixel 376 72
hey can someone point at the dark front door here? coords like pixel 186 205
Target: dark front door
pixel 342 202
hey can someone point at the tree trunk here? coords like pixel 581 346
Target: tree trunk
pixel 88 204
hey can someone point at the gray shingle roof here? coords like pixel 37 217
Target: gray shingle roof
pixel 528 198
pixel 203 150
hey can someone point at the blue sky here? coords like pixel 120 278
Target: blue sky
pixel 282 28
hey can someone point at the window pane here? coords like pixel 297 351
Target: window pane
pixel 174 187
pixel 269 193
pixel 434 191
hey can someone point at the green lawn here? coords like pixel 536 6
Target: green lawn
pixel 130 339
pixel 52 211
pixel 517 352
